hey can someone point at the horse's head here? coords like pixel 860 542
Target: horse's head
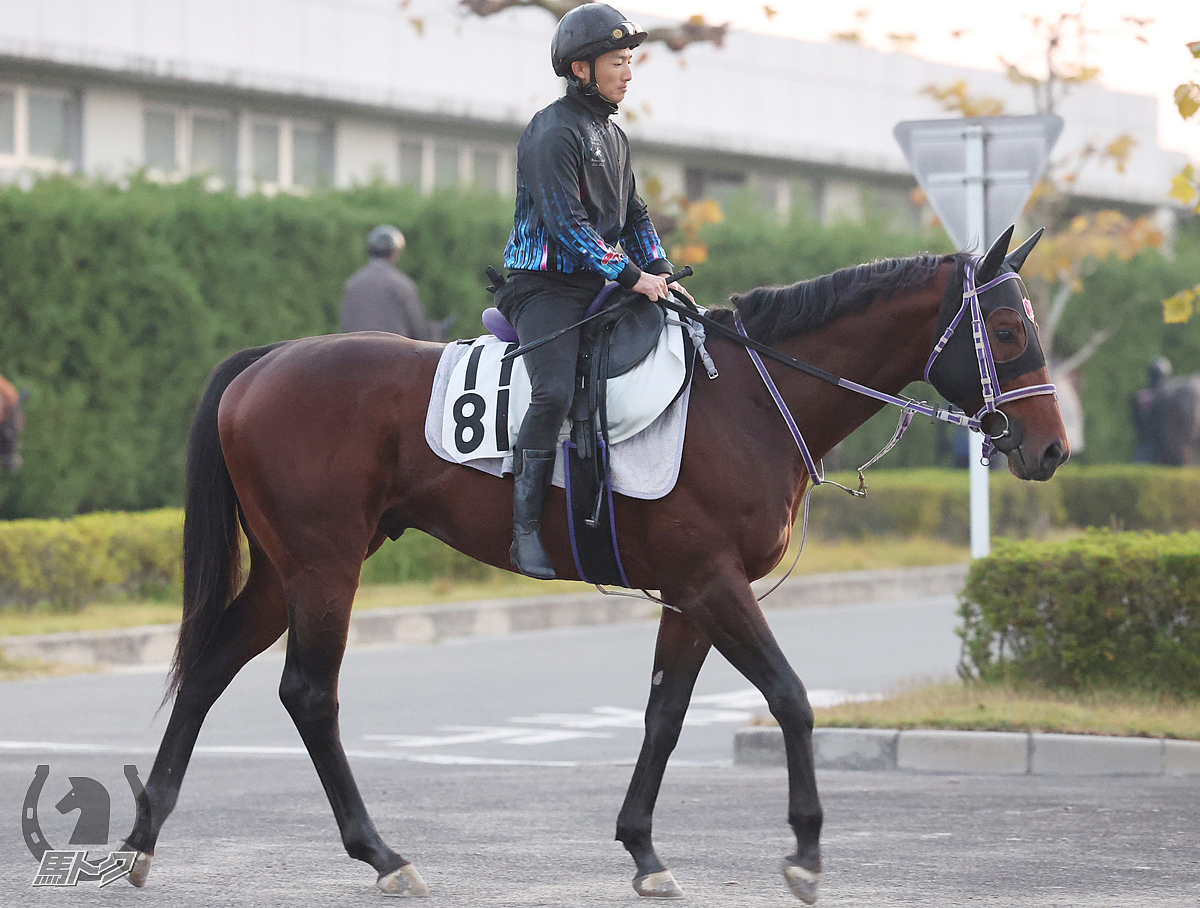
pixel 1000 373
pixel 12 424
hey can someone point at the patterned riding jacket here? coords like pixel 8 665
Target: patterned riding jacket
pixel 576 198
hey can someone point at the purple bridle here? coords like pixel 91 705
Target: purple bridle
pixel 910 408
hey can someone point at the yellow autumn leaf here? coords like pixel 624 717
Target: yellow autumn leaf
pixel 693 254
pixel 1194 47
pixel 1119 149
pixel 1182 188
pixel 770 12
pixel 1179 308
pixel 1187 99
pixel 707 211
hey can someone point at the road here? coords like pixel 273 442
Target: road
pixel 553 696
pixel 496 765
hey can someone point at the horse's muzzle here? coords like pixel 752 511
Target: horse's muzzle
pixel 1038 468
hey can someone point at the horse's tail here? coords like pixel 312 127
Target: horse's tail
pixel 211 544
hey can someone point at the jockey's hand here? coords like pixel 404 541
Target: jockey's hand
pixel 652 285
pixel 678 288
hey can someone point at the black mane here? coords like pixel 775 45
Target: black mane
pixel 774 313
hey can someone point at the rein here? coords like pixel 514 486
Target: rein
pixel 909 408
pixel 983 353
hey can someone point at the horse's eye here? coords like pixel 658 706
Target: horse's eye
pixel 1007 336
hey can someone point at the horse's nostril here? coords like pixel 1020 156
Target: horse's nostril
pixel 1053 455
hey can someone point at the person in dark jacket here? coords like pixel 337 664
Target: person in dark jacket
pixel 381 297
pixel 576 203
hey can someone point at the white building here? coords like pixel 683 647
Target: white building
pixel 281 94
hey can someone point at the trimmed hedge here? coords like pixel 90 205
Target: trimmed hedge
pixel 69 563
pixel 1104 610
pixel 936 503
pixel 116 305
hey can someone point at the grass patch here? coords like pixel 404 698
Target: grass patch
pixel 819 557
pixel 1021 708
pixel 22 669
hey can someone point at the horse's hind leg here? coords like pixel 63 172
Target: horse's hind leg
pixel 678 656
pixel 252 622
pixel 733 621
pixel 319 601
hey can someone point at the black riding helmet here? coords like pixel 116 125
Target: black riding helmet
pixel 591 31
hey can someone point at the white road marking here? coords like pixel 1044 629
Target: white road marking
pixel 469 734
pixel 732 708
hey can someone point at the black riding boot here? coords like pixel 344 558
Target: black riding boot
pixel 532 471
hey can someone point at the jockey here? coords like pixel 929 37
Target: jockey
pixel 576 201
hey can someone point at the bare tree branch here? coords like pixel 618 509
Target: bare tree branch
pixel 696 30
pixel 1063 294
pixel 1077 359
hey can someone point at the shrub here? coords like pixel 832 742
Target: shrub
pixel 69 563
pixel 1103 610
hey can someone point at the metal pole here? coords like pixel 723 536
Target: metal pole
pixel 975 137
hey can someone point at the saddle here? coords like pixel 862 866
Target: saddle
pixel 622 328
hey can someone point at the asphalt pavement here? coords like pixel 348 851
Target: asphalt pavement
pixel 498 765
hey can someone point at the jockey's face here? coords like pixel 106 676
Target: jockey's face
pixel 613 71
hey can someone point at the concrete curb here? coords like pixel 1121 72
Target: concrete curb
pixel 971 752
pixel 154 644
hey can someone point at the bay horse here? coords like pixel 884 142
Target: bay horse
pixel 12 424
pixel 318 446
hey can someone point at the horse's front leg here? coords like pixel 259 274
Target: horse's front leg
pixel 729 614
pixel 678 656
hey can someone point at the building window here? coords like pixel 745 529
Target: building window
pixel 213 150
pixel 308 156
pixel 486 169
pixel 40 128
pixel 286 154
pixel 159 127
pixel 264 139
pixel 445 165
pixel 412 160
pixel 48 111
pixel 8 115
pixel 180 141
pixel 720 186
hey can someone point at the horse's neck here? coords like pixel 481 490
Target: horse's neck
pixel 885 348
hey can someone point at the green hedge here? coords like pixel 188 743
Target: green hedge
pixel 1104 610
pixel 69 563
pixel 116 305
pixel 936 503
pixel 72 562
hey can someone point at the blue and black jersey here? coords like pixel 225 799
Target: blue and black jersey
pixel 576 198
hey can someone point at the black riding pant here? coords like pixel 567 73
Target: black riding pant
pixel 538 305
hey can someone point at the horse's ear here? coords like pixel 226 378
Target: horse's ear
pixel 990 266
pixel 1016 258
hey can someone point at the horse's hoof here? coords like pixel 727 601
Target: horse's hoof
pixel 140 869
pixel 403 881
pixel 659 885
pixel 805 884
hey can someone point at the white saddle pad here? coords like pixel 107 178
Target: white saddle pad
pixel 476 407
